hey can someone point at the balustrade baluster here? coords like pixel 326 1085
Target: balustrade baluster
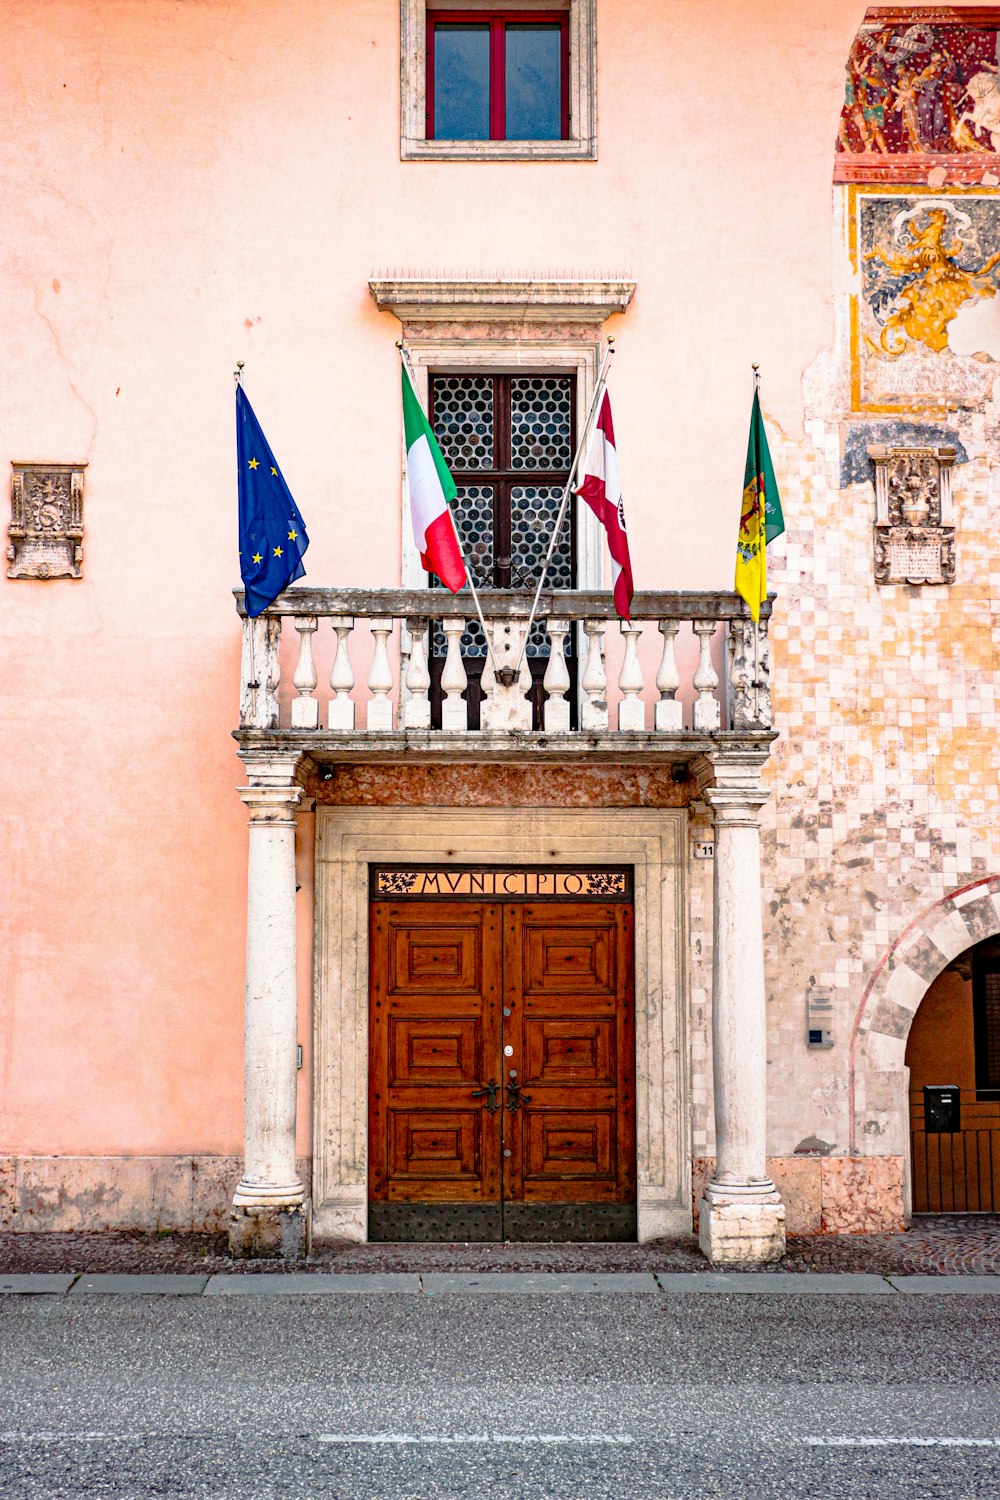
pixel 631 710
pixel 595 682
pixel 556 680
pixel 341 708
pixel 454 680
pixel 707 712
pixel 305 708
pixel 380 676
pixel 417 708
pixel 669 715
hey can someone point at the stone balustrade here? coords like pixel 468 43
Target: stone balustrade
pixel 687 664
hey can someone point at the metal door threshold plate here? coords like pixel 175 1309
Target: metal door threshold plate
pixel 471 1223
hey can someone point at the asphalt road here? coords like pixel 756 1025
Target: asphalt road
pixel 593 1397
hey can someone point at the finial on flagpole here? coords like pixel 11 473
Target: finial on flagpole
pixel 238 372
pixel 756 376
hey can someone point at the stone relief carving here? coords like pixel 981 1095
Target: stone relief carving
pixel 749 675
pixel 914 514
pixel 46 521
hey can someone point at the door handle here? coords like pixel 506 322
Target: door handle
pixel 514 1096
pixel 491 1093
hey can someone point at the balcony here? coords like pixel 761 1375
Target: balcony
pixel 350 674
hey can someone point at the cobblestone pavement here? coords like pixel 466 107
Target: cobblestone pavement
pixel 936 1245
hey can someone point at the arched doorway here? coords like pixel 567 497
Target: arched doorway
pixel 953 1063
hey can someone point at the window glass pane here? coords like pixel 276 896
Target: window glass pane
pixel 533 511
pixel 463 419
pixel 541 417
pixel 534 83
pixel 461 83
pixel 472 509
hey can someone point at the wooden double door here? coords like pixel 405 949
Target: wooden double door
pixel 502 1071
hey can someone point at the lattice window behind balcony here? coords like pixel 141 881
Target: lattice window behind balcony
pixel 508 440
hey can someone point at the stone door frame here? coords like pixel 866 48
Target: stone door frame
pixel 348 840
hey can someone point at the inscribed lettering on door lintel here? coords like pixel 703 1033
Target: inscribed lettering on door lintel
pixel 497 884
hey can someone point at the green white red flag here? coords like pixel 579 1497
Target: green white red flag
pixel 431 489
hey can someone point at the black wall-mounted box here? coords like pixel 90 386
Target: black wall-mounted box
pixel 942 1109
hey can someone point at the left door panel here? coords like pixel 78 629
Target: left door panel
pixel 434 1046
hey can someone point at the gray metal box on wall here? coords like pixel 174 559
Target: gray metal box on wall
pixel 819 1018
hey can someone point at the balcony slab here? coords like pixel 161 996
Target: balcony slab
pixel 320 747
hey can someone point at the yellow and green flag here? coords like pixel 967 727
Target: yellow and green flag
pixel 760 517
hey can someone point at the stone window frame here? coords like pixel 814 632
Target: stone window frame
pixel 350 839
pixel 531 357
pixel 581 144
pixel 481 327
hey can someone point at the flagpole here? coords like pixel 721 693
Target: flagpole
pixel 602 380
pixel 253 683
pixel 756 628
pixel 404 355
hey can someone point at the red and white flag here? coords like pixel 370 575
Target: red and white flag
pixel 601 488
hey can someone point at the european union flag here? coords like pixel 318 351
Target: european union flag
pixel 272 531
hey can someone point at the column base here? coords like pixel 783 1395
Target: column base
pixel 270 1233
pixel 744 1232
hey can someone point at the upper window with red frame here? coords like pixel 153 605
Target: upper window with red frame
pixel 497 75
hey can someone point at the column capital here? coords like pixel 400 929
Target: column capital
pixel 265 769
pixel 735 807
pixel 732 769
pixel 729 782
pixel 271 804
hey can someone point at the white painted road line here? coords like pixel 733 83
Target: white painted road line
pixel 401 1439
pixel 901 1442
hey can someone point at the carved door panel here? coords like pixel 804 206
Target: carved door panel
pixel 570 1077
pixel 434 1045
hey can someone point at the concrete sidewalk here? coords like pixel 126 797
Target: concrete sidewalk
pixel 945 1244
pixel 627 1283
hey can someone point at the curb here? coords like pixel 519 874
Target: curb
pixel 521 1283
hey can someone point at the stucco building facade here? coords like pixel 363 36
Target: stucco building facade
pixel 668 896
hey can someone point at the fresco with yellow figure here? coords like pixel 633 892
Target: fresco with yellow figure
pixel 927 281
pixel 923 259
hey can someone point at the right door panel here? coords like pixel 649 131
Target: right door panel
pixel 569 1081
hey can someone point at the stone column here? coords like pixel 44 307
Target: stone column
pixel 742 1218
pixel 270 1213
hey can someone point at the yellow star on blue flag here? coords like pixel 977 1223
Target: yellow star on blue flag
pixel 272 531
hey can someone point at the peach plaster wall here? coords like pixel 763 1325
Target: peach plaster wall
pixel 189 185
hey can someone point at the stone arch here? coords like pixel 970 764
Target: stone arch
pixel 889 1002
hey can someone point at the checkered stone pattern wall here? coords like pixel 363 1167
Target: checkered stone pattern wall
pixel 884 778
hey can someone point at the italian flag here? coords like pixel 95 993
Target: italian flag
pixel 431 487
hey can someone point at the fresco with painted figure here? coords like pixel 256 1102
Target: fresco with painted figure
pixel 916 87
pixel 927 265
